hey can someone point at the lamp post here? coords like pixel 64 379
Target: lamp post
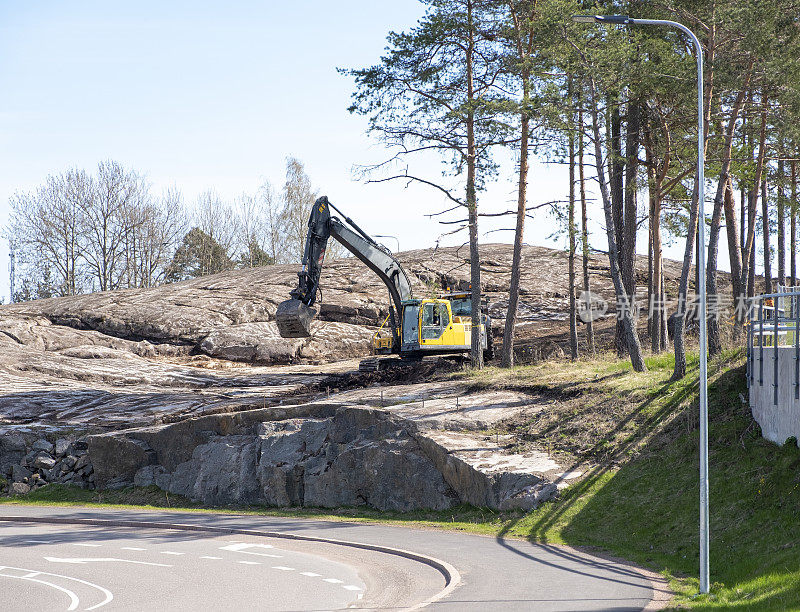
pixel 625 20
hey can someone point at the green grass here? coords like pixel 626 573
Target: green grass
pixel 642 505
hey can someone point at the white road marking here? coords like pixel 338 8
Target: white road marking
pixel 74 600
pixel 241 546
pixel 86 544
pixel 351 587
pixel 283 568
pixel 171 552
pixel 39 541
pixel 132 548
pixel 249 562
pixel 28 576
pixel 88 559
pixel 333 580
pixel 204 557
pixel 310 574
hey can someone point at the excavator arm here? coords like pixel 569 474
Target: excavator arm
pixel 294 316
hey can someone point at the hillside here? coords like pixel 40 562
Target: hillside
pixel 138 356
pixel 231 315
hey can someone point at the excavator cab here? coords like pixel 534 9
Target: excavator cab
pixel 430 326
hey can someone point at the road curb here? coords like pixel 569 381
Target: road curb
pixel 451 575
pixel 662 594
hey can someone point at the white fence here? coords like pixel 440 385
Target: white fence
pixel 773 363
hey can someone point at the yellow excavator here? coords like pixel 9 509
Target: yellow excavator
pixel 417 327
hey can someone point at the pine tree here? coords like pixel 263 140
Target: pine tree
pixel 436 89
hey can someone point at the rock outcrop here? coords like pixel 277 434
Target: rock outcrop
pixel 318 454
pixel 135 357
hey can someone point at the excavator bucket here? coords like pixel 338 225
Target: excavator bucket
pixel 294 319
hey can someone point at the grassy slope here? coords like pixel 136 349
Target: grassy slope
pixel 642 502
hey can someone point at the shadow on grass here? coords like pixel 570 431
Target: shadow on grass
pixel 647 510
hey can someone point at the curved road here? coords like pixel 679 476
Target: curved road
pixel 47 565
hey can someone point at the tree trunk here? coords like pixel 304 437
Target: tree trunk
pixel 743 219
pixel 507 352
pixel 697 258
pixel 735 255
pixel 652 324
pixel 765 230
pixel 748 261
pixel 663 316
pixel 657 173
pixel 617 202
pixel 658 279
pixel 781 225
pixel 751 277
pixel 630 215
pixel 723 186
pixel 653 289
pixel 793 225
pixel 630 336
pixel 573 331
pixel 631 212
pixel 476 354
pixel 679 370
pixel 616 179
pixel 585 233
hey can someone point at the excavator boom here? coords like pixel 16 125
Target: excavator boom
pixel 294 316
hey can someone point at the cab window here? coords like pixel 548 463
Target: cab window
pixel 434 320
pixel 462 307
pixel 410 321
pixel 444 317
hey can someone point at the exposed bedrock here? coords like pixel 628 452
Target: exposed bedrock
pixel 310 455
pixel 231 315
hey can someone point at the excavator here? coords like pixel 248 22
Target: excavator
pixel 417 327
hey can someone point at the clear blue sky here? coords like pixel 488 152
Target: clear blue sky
pixel 211 94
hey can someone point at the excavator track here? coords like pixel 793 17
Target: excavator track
pixel 377 364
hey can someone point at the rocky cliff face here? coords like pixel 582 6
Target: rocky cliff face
pixel 318 454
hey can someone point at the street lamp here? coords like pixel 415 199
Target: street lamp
pixel 625 20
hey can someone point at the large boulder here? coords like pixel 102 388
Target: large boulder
pixel 261 343
pixel 12 450
pixel 19 488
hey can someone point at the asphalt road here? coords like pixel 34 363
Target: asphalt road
pixel 46 566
